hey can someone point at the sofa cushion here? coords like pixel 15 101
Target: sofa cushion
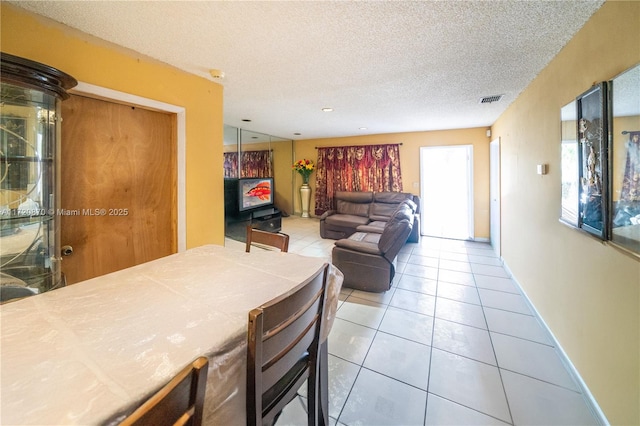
pixel 386 203
pixel 353 203
pixel 346 220
pixel 391 197
pixel 379 225
pixel 350 208
pixel 382 211
pixel 376 227
pixel 355 196
pixel 358 246
pixel 365 237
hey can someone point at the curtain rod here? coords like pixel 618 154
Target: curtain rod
pixel 625 132
pixel 342 146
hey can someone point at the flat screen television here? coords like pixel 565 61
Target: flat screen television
pixel 255 193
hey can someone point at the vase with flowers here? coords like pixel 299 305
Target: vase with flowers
pixel 305 168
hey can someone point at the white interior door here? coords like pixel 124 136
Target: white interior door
pixel 446 191
pixel 494 193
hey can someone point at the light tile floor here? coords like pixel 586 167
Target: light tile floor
pixel 453 342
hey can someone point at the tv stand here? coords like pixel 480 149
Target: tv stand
pixel 235 221
pixel 267 219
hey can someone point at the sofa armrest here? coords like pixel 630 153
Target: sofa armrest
pixel 416 200
pixel 360 246
pixel 414 237
pixel 363 271
pixel 395 235
pixel 327 214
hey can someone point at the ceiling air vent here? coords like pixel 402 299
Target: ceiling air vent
pixel 490 99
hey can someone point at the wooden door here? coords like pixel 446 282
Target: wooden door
pixel 118 186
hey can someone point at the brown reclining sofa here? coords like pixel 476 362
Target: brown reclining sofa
pixel 354 209
pixel 368 258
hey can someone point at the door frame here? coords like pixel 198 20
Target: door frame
pixel 494 195
pixel 103 93
pixel 470 187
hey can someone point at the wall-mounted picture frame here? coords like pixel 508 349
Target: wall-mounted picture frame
pixel 593 160
pixel 600 161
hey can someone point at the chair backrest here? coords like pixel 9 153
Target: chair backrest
pixel 283 340
pixel 179 402
pixel 273 239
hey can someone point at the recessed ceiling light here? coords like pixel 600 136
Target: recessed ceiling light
pixel 297 134
pixel 327 109
pixel 363 128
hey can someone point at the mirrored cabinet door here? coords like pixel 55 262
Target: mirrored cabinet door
pixel 249 154
pixel 569 164
pixel 600 161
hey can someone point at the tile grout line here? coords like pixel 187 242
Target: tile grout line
pixel 361 365
pixel 433 330
pixel 483 272
pixel 504 389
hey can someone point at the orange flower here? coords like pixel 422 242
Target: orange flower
pixel 305 168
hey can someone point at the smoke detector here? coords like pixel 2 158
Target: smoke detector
pixel 216 74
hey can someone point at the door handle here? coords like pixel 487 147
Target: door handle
pixel 66 250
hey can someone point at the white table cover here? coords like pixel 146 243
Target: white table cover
pixel 91 352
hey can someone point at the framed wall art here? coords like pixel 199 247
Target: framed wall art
pixel 593 158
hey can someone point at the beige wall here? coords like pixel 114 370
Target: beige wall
pixel 586 291
pixel 410 162
pixel 282 175
pixel 96 62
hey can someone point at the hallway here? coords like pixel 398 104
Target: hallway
pixel 452 342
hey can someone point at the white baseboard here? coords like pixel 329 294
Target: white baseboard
pixel 564 358
pixel 481 240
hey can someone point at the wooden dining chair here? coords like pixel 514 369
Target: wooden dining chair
pixel 272 239
pixel 283 342
pixel 179 402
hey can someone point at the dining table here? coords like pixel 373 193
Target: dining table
pixel 92 352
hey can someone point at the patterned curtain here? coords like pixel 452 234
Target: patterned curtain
pixel 631 180
pixel 230 164
pixel 252 163
pixel 356 168
pixel 255 164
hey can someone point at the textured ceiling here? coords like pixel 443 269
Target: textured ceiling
pixel 389 66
